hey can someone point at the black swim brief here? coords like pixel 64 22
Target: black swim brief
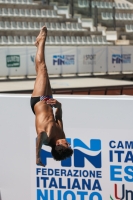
pixel 34 100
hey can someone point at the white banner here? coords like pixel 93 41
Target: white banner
pixel 31 53
pixel 100 134
pixel 16 61
pixel 101 167
pixel 68 60
pixel 20 61
pixel 127 59
pixel 53 60
pixel 86 59
pixel 114 59
pixel 4 70
pixel 100 59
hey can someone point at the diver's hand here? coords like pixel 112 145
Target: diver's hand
pixel 39 163
pixel 54 103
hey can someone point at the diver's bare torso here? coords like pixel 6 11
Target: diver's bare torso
pixel 45 122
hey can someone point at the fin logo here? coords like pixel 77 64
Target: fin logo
pixel 121 58
pixel 81 152
pixel 63 60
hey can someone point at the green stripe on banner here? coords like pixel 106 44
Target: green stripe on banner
pixel 111 198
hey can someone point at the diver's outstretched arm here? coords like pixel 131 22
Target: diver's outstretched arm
pixel 41 138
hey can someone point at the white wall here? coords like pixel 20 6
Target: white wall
pixel 86 117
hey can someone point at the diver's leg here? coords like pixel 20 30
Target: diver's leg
pixel 41 83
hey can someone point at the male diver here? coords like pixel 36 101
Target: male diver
pixel 49 128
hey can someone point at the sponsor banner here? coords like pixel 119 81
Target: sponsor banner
pixel 67 60
pixel 13 60
pixel 114 59
pixel 4 71
pixel 78 177
pixel 20 61
pixel 121 167
pixel 31 53
pixel 53 65
pixel 100 59
pixel 53 68
pixel 127 59
pixel 99 130
pixel 16 61
pixel 100 168
pixel 86 59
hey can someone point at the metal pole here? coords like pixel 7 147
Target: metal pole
pixel 96 16
pixel 72 7
pixel 44 2
pixel 67 2
pixel 114 21
pixel 90 8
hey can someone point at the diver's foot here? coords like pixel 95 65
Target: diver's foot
pixel 42 36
